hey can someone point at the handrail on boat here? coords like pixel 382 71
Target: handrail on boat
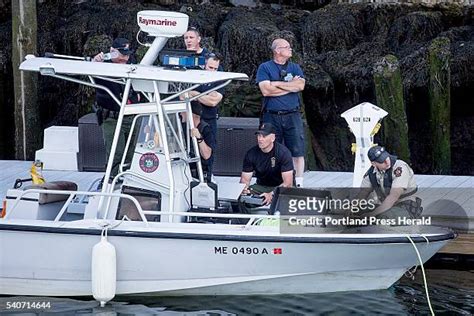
pixel 72 194
pixel 142 213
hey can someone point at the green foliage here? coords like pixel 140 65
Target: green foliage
pixel 241 100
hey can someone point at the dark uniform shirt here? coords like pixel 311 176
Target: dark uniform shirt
pixel 208 138
pixel 209 112
pixel 104 100
pixel 268 166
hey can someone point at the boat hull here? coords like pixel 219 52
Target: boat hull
pixel 57 262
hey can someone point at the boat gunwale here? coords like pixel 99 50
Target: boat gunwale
pixel 304 238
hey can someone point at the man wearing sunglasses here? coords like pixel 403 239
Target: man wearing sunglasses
pixel 209 102
pixel 107 108
pixel 280 82
pixel 393 181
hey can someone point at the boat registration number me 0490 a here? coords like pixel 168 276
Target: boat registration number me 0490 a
pixel 246 251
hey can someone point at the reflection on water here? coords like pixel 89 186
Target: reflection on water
pixel 451 292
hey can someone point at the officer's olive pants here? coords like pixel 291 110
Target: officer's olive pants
pixel 399 210
pixel 108 128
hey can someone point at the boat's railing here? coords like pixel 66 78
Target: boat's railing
pixel 136 175
pixel 71 195
pixel 141 212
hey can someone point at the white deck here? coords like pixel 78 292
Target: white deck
pixel 431 187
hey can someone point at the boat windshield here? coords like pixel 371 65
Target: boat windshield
pixel 150 135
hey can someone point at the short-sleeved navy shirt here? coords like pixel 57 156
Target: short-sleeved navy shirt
pixel 272 71
pixel 209 112
pixel 268 166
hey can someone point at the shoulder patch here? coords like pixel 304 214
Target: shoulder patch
pixel 398 172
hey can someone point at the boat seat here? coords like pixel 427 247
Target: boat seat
pixel 46 198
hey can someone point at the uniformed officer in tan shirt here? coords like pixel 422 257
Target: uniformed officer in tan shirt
pixel 394 183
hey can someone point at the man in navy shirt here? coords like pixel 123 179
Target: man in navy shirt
pixel 206 142
pixel 280 81
pixel 210 101
pixel 270 161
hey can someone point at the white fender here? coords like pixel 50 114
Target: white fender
pixel 103 271
pixel 362 120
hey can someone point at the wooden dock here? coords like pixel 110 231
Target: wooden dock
pixel 448 200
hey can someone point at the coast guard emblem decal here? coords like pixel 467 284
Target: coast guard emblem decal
pixel 149 162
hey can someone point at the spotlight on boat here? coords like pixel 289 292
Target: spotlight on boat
pixel 47 70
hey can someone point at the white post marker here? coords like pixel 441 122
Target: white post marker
pixel 363 120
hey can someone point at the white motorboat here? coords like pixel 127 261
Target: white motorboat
pixel 47 236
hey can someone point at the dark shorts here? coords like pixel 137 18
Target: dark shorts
pixel 289 131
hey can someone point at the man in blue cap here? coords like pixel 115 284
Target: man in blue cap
pixel 394 183
pixel 107 109
pixel 270 161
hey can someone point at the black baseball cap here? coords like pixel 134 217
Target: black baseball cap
pixel 266 129
pixel 377 154
pixel 122 45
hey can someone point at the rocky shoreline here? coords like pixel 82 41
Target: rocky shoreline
pixel 338 46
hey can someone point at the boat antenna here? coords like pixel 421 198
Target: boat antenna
pixel 162 25
pixel 53 55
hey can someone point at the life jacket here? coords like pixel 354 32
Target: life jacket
pixel 387 180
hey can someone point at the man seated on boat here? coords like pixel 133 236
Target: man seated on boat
pixel 206 142
pixel 108 109
pixel 270 161
pixel 393 181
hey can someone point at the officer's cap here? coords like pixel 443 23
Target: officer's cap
pixel 265 129
pixel 377 154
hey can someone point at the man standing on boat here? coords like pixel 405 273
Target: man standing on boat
pixel 280 81
pixel 206 142
pixel 210 102
pixel 108 109
pixel 192 40
pixel 270 161
pixel 394 183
